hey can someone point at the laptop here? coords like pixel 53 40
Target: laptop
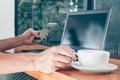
pixel 16 76
pixel 86 29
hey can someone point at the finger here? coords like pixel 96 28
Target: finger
pixel 62 58
pixel 61 65
pixel 71 53
pixel 66 67
pixel 35 42
pixel 35 33
pixel 67 51
pixel 38 32
pixel 44 37
pixel 56 68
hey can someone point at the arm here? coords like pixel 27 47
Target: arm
pixel 47 61
pixel 11 43
pixel 10 63
pixel 26 38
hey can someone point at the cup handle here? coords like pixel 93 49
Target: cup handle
pixel 76 54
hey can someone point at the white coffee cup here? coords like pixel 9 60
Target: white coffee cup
pixel 93 58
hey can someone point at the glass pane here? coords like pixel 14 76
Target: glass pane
pixel 37 13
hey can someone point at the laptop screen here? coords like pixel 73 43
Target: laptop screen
pixel 85 30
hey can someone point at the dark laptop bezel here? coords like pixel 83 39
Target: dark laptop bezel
pixel 108 11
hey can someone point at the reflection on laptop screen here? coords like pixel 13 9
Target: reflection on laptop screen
pixel 85 30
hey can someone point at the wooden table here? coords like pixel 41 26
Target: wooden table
pixel 73 74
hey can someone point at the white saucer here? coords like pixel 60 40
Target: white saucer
pixel 104 69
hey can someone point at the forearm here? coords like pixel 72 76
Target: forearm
pixel 11 43
pixel 10 63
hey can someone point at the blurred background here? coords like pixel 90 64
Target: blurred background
pixel 37 13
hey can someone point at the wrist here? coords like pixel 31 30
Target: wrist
pixel 23 38
pixel 37 63
pixel 20 39
pixel 31 59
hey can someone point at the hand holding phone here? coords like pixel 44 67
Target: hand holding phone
pixel 46 30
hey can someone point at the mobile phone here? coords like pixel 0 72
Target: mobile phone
pixel 46 30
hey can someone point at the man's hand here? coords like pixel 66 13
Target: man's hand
pixel 24 39
pixel 54 58
pixel 29 36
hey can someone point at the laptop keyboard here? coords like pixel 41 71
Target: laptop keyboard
pixel 16 76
